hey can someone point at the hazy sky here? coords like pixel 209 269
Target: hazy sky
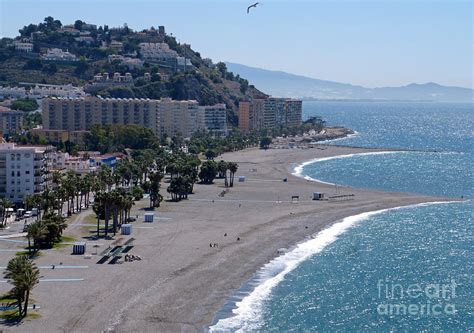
pixel 371 43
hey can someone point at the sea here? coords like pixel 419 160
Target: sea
pixel 402 269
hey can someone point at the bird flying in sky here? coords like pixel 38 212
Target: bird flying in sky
pixel 252 6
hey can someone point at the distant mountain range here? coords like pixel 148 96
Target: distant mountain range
pixel 281 84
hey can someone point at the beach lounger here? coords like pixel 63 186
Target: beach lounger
pixel 103 260
pixel 114 260
pixel 127 249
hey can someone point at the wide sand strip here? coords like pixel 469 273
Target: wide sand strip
pixel 182 282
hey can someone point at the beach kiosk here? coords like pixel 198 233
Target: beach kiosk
pixel 149 217
pixel 318 196
pixel 241 179
pixel 79 248
pixel 126 229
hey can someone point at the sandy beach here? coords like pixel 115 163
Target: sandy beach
pixel 182 282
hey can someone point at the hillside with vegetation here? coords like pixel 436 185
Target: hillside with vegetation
pixel 204 81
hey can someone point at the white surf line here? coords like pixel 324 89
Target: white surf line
pixel 52 280
pixel 349 136
pixel 298 170
pixel 248 309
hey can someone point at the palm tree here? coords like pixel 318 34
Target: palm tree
pixel 55 225
pixel 87 187
pixel 37 232
pixel 222 169
pixel 155 197
pixel 233 167
pixel 24 275
pixel 105 177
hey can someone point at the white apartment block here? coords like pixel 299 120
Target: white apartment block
pixel 45 90
pixel 13 92
pixel 23 46
pixel 58 55
pixel 156 51
pixel 23 170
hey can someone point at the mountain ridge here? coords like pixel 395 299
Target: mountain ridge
pixel 283 84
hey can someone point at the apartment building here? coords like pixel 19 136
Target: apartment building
pixel 214 119
pixel 270 112
pixel 79 114
pixel 64 90
pixel 10 120
pixel 23 46
pixel 156 51
pixel 55 54
pixel 75 116
pixel 293 112
pixel 178 118
pixel 13 92
pixel 24 170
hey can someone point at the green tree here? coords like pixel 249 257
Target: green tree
pixel 210 154
pixel 265 142
pixel 155 197
pixel 25 104
pixel 208 172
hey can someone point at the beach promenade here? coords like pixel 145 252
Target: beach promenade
pixel 181 281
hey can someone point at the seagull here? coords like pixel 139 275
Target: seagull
pixel 252 6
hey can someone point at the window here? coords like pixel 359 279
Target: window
pixel 27 172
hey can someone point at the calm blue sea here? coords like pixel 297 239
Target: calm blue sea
pixel 395 270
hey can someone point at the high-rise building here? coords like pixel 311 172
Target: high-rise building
pixel 177 118
pixel 270 112
pixel 214 119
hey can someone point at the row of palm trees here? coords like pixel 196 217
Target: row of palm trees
pixel 115 205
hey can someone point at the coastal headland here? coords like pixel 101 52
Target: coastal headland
pixel 182 281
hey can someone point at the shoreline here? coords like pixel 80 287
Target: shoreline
pixel 182 283
pixel 257 289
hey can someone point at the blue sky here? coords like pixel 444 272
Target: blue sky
pixel 371 43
